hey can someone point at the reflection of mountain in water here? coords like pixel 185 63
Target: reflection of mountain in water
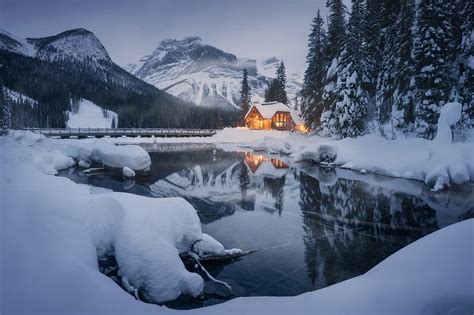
pixel 219 184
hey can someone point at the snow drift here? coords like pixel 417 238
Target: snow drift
pixel 89 115
pixel 62 154
pixel 61 228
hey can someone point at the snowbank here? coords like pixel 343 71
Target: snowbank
pixel 413 158
pixel 226 135
pixel 59 228
pixel 437 163
pixel 61 154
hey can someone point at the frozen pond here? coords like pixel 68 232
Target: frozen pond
pixel 315 226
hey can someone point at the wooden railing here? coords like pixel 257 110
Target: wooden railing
pixel 120 132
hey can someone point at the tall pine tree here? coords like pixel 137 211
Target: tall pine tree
pixel 403 107
pixel 245 96
pixel 350 110
pixel 433 61
pixel 334 46
pixel 281 84
pixel 276 91
pixel 312 105
pixel 466 65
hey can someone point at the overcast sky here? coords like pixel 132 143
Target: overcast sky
pixel 130 29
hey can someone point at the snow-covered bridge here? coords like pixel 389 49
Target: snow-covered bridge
pixel 121 132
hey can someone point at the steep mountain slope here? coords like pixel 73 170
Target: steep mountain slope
pixel 73 65
pixel 198 72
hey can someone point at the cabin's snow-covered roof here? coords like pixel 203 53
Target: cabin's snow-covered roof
pixel 268 110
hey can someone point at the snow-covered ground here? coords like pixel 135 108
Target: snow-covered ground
pixel 53 230
pixel 89 115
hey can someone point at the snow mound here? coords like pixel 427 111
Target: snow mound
pixel 83 164
pixel 89 115
pixel 57 154
pixel 132 156
pixel 128 172
pixel 147 235
pixel 449 115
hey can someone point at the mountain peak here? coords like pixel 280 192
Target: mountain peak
pixel 180 42
pixel 77 44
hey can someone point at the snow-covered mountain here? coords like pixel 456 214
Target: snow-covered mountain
pixel 75 64
pixel 78 45
pixel 203 74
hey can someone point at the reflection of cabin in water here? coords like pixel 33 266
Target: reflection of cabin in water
pixel 273 115
pixel 263 166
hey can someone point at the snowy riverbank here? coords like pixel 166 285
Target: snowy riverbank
pixel 53 232
pixel 54 229
pixel 437 163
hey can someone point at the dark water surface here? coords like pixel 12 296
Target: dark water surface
pixel 314 226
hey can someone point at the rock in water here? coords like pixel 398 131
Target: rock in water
pixel 84 164
pixel 128 172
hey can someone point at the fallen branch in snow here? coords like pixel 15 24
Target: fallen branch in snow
pixel 210 258
pixel 208 275
pixel 94 169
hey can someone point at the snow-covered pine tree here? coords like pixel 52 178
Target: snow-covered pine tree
pixel 350 111
pixel 336 28
pixel 432 62
pixel 312 105
pixel 334 46
pixel 403 115
pixel 6 110
pixel 281 84
pixel 388 44
pixel 372 34
pixel 245 96
pixel 466 63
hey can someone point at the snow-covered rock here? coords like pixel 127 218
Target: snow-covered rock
pixel 128 172
pixel 83 164
pixel 134 157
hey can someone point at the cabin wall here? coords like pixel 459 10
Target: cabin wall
pixel 283 121
pixel 255 121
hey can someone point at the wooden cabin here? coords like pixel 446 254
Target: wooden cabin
pixel 273 115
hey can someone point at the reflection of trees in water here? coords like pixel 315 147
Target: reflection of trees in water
pixel 275 187
pixel 247 202
pixel 351 226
